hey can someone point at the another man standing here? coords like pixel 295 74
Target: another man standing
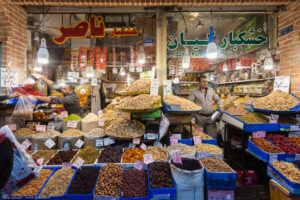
pixel 203 97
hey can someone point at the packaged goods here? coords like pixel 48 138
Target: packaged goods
pixel 46 134
pixel 72 117
pixel 40 115
pixel 288 170
pixel 58 183
pixel 46 154
pixel 295 140
pixel 185 150
pixel 188 164
pixel 284 144
pixel 84 181
pixel 197 132
pixel 158 153
pixel 62 157
pixel 110 180
pixel 34 187
pixel 134 183
pixel 24 108
pixel 122 128
pixel 215 165
pixel 277 100
pixel 160 175
pixel 110 154
pixel 89 122
pixel 24 132
pixel 71 133
pixel 266 146
pixel 140 85
pixel 132 154
pixel 97 132
pixel 140 102
pixel 88 154
pixel 254 118
pixel 212 149
pixel 185 104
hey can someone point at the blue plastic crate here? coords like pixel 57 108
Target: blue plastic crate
pixel 287 127
pixel 81 196
pixel 98 197
pixel 213 141
pixel 184 141
pixel 288 157
pixel 261 154
pixel 293 188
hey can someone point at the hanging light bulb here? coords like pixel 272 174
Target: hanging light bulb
pixel 142 56
pixel 43 54
pixel 238 64
pixel 225 67
pixel 122 71
pixel 186 59
pixel 268 64
pixel 212 49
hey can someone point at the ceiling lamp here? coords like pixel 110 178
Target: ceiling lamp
pixel 122 71
pixel 225 67
pixel 142 56
pixel 238 64
pixel 268 64
pixel 212 49
pixel 43 54
pixel 186 59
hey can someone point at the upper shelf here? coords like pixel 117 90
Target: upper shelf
pixel 242 81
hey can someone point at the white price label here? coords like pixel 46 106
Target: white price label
pixel 151 136
pixel 259 134
pixel 40 161
pixel 49 143
pixel 177 135
pixel 51 126
pixel 114 101
pixel 131 145
pixel 143 146
pixel 115 70
pixel 274 119
pixel 273 157
pixel 297 157
pixel 282 83
pixel 101 122
pixel 174 140
pixel 41 128
pixel 197 140
pixel 176 155
pixel 108 141
pixel 203 154
pixel 12 127
pixel 67 165
pixel 26 144
pixel 139 69
pixel 100 113
pixel 72 124
pixel 94 82
pixel 154 87
pixel 138 165
pixel 78 162
pixel 148 159
pixel 131 69
pixel 99 143
pixel 294 128
pixel 64 114
pixel 79 143
pixel 73 74
pixel 136 141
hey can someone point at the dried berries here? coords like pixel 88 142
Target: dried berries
pixel 284 144
pixel 215 165
pixel 188 164
pixel 134 183
pixel 160 175
pixel 132 154
pixel 110 154
pixel 62 157
pixel 266 146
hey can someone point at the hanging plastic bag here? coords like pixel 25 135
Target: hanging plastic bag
pixel 24 167
pixel 24 108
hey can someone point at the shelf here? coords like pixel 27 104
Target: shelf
pixel 182 94
pixel 186 82
pixel 244 81
pixel 201 72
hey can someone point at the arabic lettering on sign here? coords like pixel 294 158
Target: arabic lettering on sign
pixel 95 26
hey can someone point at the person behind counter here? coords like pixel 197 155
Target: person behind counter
pixel 203 97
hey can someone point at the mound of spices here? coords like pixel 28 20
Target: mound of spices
pixel 215 165
pixel 158 153
pixel 188 164
pixel 288 170
pixel 134 183
pixel 22 132
pixel 110 154
pixel 58 183
pixel 110 180
pixel 212 149
pixel 84 181
pixel 185 150
pixel 237 111
pixel 266 146
pixel 34 187
pixel 62 157
pixel 46 134
pixel 88 154
pixel 72 117
pixel 46 154
pixel 254 118
pixel 284 144
pixel 160 175
pixel 97 132
pixel 72 132
pixel 132 154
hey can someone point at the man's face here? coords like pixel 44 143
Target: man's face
pixel 203 83
pixel 66 90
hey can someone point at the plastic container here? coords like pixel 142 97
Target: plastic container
pixel 68 143
pixel 39 143
pixel 213 141
pixel 263 155
pixel 277 192
pixel 293 188
pixel 189 142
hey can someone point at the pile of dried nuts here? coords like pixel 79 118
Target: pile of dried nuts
pixel 197 132
pixel 72 132
pixel 185 104
pixel 46 134
pixel 158 153
pixel 131 155
pixel 110 180
pixel 46 154
pixel 134 183
pixel 185 150
pixel 122 128
pixel 140 102
pixel 22 132
pixel 34 187
pixel 58 183
pixel 88 154
pixel 283 143
pixel 62 157
pixel 160 175
pixel 254 118
pixel 277 100
pixel 97 132
pixel 110 154
pixel 288 170
pixel 212 149
pixel 139 85
pixel 265 145
pixel 237 111
pixel 295 140
pixel 215 165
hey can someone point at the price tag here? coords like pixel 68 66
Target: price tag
pixel 143 146
pixel 138 165
pixel 131 145
pixel 274 119
pixel 200 129
pixel 136 141
pixel 72 124
pixel 203 154
pixel 177 135
pixel 67 165
pixel 26 144
pixel 297 157
pixel 78 163
pixel 49 143
pixel 40 161
pixel 12 127
pixel 151 136
pixel 197 139
pixel 101 122
pixel 148 159
pixel 154 87
pixel 259 134
pixel 114 101
pixel 51 126
pixel 108 141
pixel 175 107
pixel 174 140
pixel 41 128
pixel 294 128
pixel 99 143
pixel 79 143
pixel 273 157
pixel 64 114
pixel 115 70
pixel 100 113
pixel 293 134
pixel 94 82
pixel 176 155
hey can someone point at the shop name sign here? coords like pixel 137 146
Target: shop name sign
pixel 95 26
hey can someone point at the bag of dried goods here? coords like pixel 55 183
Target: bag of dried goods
pixel 89 122
pixel 24 108
pixel 72 121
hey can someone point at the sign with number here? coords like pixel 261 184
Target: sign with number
pixel 99 143
pixel 12 127
pixel 78 163
pixel 259 134
pixel 167 87
pixel 49 143
pixel 26 144
pixel 79 143
pixel 174 140
pixel 94 82
pixel 177 135
pixel 274 118
pixel 151 136
pixel 273 157
pixel 73 74
pixel 176 155
pixel 40 161
pixel 101 122
pixel 41 128
pixel 64 114
pixel 72 124
pixel 294 128
pixel 115 70
pixel 136 141
pixel 143 146
pixel 148 159
pixel 197 139
pixel 108 141
pixel 51 126
pixel 67 165
pixel 138 165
